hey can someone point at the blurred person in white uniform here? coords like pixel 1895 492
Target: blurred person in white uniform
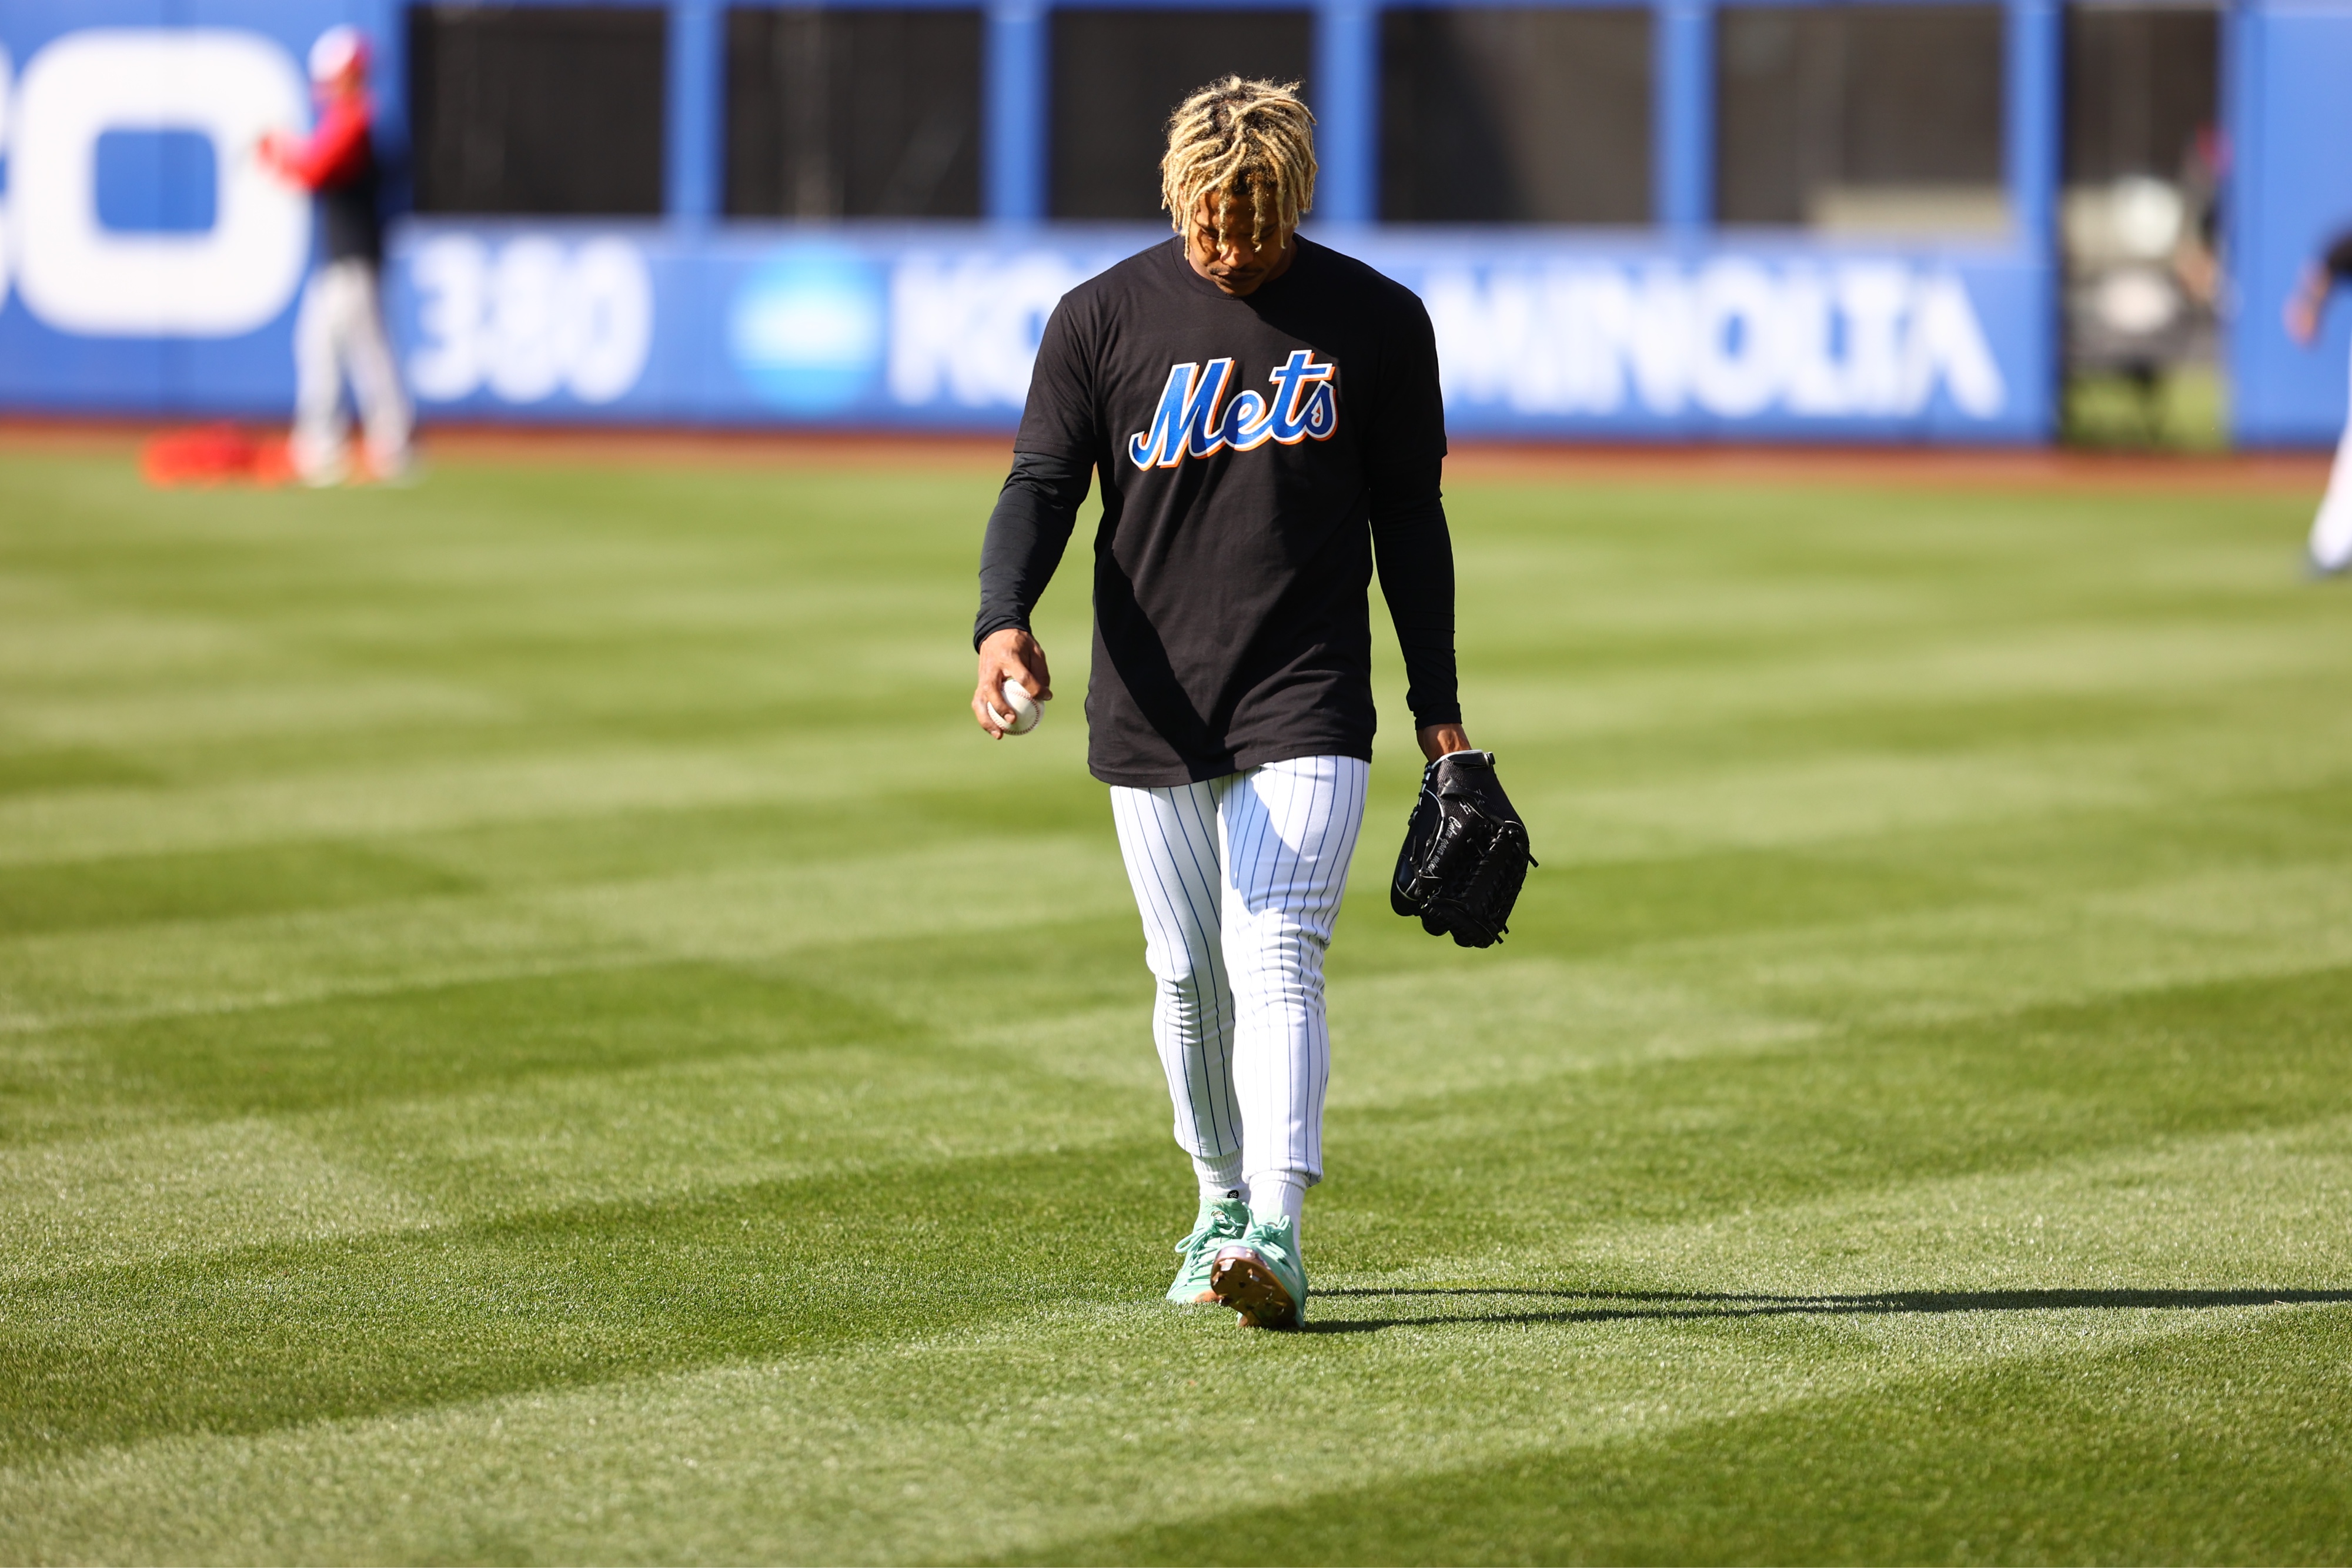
pixel 2331 532
pixel 339 331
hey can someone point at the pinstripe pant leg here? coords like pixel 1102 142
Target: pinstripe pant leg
pixel 1289 830
pixel 1168 840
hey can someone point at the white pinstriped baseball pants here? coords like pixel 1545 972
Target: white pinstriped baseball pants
pixel 1238 879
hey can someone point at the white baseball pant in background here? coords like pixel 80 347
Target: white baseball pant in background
pixel 2331 532
pixel 340 330
pixel 1238 879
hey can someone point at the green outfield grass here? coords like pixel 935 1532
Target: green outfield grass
pixel 532 1027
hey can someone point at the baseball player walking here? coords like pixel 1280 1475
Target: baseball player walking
pixel 1264 416
pixel 339 328
pixel 2331 532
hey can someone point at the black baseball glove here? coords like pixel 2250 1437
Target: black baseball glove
pixel 1465 853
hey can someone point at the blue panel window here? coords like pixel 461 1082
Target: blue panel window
pixel 2143 86
pixel 157 182
pixel 538 109
pixel 1872 119
pixel 1515 115
pixel 1120 74
pixel 869 111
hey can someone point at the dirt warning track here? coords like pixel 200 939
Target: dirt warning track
pixel 2297 473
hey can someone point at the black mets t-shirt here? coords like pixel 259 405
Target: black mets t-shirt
pixel 1248 451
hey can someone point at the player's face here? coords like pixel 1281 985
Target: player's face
pixel 1227 257
pixel 349 82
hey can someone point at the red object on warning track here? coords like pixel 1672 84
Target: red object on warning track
pixel 212 455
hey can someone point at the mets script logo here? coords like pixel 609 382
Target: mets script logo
pixel 1188 424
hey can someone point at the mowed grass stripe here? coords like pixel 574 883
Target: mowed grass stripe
pixel 431 1041
pixel 1048 1439
pixel 2159 1451
pixel 429 1135
pixel 210 966
pixel 176 1188
pixel 408 1045
pixel 389 796
pixel 998 1426
pixel 587 1096
pixel 1682 1141
pixel 294 1333
pixel 2026 683
pixel 136 890
pixel 2240 1214
pixel 1857 760
pixel 325 873
pixel 2215 923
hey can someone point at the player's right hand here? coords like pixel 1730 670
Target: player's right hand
pixel 2304 304
pixel 1009 653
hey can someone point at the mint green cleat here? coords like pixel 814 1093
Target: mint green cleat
pixel 1262 1276
pixel 1227 1219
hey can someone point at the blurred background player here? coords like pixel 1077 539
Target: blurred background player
pixel 2331 532
pixel 1264 415
pixel 339 331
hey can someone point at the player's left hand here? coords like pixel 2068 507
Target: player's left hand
pixel 1437 739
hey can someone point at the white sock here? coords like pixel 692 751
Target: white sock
pixel 1220 1178
pixel 1278 1195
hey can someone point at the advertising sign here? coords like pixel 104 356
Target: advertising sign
pixel 148 262
pixel 1545 334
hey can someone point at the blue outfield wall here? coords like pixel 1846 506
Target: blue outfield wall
pixel 121 288
pixel 139 276
pixel 2290 104
pixel 1538 333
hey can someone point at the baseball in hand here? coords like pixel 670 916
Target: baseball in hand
pixel 1026 709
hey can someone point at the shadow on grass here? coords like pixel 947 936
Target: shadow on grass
pixel 1618 1306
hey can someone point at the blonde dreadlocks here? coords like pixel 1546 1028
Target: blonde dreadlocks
pixel 1242 139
